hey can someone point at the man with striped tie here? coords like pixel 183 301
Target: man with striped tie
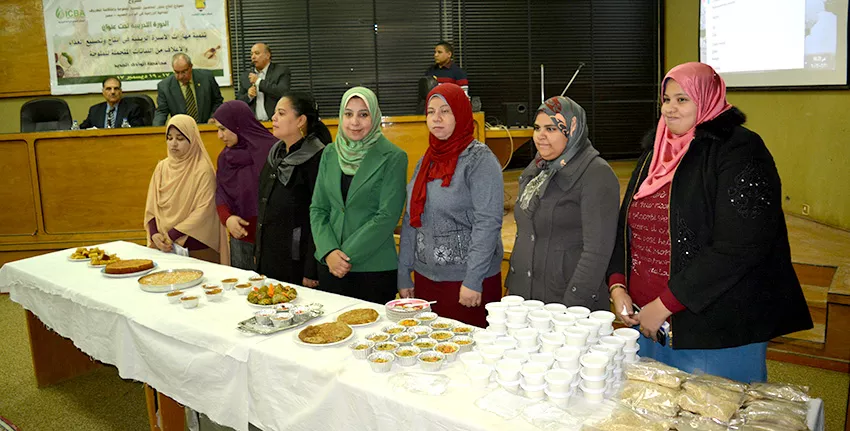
pixel 112 112
pixel 188 91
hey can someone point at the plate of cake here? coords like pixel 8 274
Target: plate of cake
pixel 128 268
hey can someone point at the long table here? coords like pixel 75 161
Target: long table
pixel 199 359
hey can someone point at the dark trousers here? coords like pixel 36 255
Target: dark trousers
pixel 241 254
pixel 379 287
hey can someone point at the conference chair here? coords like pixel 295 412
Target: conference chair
pixel 40 115
pixel 146 104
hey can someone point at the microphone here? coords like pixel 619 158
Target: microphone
pixel 580 65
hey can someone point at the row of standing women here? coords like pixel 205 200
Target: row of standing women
pixel 699 243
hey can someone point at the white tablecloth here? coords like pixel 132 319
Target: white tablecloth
pixel 198 358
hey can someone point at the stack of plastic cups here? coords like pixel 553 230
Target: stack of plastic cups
pixel 517 319
pixel 540 320
pixel 534 379
pixel 516 354
pixel 606 321
pixel 592 327
pixel 528 339
pixel 555 308
pixel 513 300
pixel 562 321
pixel 497 317
pixel 506 343
pixel 593 376
pixel 491 354
pixel 618 344
pixel 630 347
pixel 507 374
pixel 610 379
pixel 559 387
pixel 552 341
pixel 567 358
pixel 484 338
pixel 577 337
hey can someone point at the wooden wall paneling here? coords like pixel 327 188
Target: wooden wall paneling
pixel 24 47
pixel 95 183
pixel 17 196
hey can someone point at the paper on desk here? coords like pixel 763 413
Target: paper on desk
pixel 180 250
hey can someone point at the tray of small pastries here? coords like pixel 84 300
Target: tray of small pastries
pixel 283 317
pixel 171 279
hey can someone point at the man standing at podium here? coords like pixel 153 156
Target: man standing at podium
pixel 265 84
pixel 109 114
pixel 187 91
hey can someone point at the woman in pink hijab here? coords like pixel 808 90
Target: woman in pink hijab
pixel 703 247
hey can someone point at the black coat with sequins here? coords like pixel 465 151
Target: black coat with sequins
pixel 730 262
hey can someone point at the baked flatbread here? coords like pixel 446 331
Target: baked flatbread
pixel 359 316
pixel 325 333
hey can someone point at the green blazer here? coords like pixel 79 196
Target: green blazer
pixel 363 226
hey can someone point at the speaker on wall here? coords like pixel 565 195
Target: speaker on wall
pixel 515 114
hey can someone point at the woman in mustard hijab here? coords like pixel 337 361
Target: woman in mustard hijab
pixel 180 206
pixel 357 202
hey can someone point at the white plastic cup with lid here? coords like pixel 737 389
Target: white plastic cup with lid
pixel 533 373
pixel 534 392
pixel 629 335
pixel 540 320
pixel 567 356
pixel 617 342
pixel 513 328
pixel 517 314
pixel 576 336
pixel 506 343
pixel 551 341
pixel 603 316
pixel 592 326
pixel 527 337
pixel 559 380
pixel 513 300
pixel 508 369
pixel 497 310
pixel 484 338
pixel 479 375
pixel 594 364
pixel 532 304
pixel 544 358
pixel 555 308
pixel 578 311
pixel 516 354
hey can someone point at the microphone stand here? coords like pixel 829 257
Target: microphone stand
pixel 580 65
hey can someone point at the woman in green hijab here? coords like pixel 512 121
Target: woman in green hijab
pixel 357 202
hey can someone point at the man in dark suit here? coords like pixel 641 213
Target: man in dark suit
pixel 112 113
pixel 263 86
pixel 187 91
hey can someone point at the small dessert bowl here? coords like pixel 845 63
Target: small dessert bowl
pixel 362 349
pixel 189 301
pixel 174 296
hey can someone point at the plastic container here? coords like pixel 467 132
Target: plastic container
pixel 506 343
pixel 441 336
pixel 496 310
pixel 281 319
pixel 576 336
pixel 517 315
pixel 540 320
pixel 497 329
pixel 174 296
pixel 406 356
pixel 527 337
pixel 629 336
pixel 243 289
pixel 567 356
pixel 442 325
pixel 229 283
pixel 479 375
pixel 594 382
pixel 513 328
pixel 546 359
pixel 594 364
pixel 381 362
pixel 604 317
pixel 508 369
pixel 530 350
pixel 491 354
pixel 362 349
pixel 405 338
pixel 593 396
pixel 264 317
pixel 559 380
pixel 534 373
pixel 513 300
pixel 552 341
pixel 469 359
pixel 555 308
pixel 484 338
pixel 559 399
pixel 535 392
pixel 420 331
pixel 516 354
pixel 510 387
pixel 449 349
pixel 532 304
pixel 592 326
pixel 425 343
pixel 578 312
pixel 191 301
pixel 386 346
pixel 431 360
pixel 464 341
pixel 497 320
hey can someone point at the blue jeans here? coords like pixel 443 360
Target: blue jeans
pixel 745 363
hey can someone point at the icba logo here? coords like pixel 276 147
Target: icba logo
pixel 69 13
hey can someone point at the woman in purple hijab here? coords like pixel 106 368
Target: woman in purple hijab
pixel 238 176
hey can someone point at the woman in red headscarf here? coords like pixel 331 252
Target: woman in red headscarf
pixel 451 233
pixel 703 246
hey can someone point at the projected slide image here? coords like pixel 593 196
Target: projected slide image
pixel 775 42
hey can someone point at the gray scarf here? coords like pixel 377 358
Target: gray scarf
pixel 577 142
pixel 284 163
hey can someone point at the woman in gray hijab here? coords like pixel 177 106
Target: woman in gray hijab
pixel 566 213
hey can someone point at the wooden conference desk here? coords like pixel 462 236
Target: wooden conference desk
pixel 67 188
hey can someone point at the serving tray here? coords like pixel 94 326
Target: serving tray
pixel 251 325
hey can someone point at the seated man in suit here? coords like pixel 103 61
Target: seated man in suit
pixel 187 91
pixel 112 113
pixel 263 86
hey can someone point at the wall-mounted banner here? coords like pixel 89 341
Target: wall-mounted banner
pixel 88 40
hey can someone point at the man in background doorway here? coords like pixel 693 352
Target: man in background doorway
pixel 265 84
pixel 112 113
pixel 444 68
